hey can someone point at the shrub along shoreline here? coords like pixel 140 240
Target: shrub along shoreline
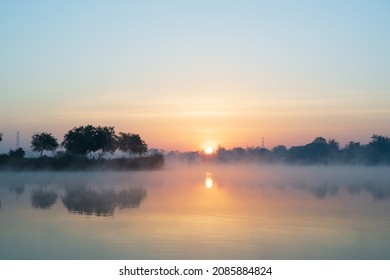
pixel 69 162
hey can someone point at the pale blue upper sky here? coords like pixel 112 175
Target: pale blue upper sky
pixel 183 72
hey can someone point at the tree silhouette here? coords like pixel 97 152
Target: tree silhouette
pixel 279 152
pixel 354 153
pixel 79 140
pixel 318 151
pixel 1 136
pixel 132 144
pixel 17 153
pixel 319 140
pixel 43 142
pixel 379 149
pixel 333 145
pixel 104 140
pixel 88 139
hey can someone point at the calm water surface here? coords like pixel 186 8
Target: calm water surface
pixel 209 212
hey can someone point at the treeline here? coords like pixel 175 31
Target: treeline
pixel 83 147
pixel 319 151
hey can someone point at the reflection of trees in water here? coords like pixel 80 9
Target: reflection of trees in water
pixel 91 202
pixel 17 188
pixel 43 199
pixel 378 191
pixel 322 190
pixel 131 198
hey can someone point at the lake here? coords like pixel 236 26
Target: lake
pixel 197 212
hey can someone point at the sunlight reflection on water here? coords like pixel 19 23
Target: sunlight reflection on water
pixel 209 180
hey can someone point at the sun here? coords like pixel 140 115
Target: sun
pixel 208 147
pixel 208 150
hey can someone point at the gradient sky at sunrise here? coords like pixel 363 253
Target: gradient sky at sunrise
pixel 183 73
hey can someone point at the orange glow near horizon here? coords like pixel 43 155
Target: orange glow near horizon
pixel 197 129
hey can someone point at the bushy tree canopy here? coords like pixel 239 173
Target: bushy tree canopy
pixel 379 149
pixel 17 153
pixel 131 143
pixel 43 142
pixel 104 140
pixel 89 139
pixel 79 140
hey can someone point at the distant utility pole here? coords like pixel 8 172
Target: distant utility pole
pixel 262 142
pixel 17 139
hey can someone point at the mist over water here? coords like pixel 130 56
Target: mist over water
pixel 197 212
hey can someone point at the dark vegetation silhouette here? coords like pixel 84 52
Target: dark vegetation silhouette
pixel 88 139
pixel 43 142
pixel 87 147
pixel 84 148
pixel 319 152
pixel 18 153
pixel 132 144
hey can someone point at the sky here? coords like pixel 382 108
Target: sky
pixel 188 74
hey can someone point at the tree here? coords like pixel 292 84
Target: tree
pixel 1 136
pixel 333 145
pixel 104 140
pixel 131 143
pixel 18 153
pixel 333 150
pixel 354 152
pixel 43 142
pixel 89 139
pixel 279 152
pixel 318 151
pixel 379 149
pixel 380 143
pixel 79 140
